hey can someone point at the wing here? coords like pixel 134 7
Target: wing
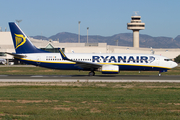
pixel 87 65
pixel 82 64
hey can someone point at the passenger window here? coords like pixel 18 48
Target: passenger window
pixel 167 59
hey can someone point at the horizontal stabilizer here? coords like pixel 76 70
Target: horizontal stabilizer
pixel 16 55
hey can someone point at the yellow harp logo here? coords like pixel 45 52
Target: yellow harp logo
pixel 20 40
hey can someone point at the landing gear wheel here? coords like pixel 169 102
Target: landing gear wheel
pixel 159 74
pixel 91 73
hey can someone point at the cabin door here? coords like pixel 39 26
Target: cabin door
pixel 156 62
pixel 38 60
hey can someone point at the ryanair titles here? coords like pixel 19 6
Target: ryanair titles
pixel 124 59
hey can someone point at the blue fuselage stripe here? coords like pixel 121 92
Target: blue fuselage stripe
pixel 67 66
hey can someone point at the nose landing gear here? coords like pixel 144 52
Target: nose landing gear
pixel 159 74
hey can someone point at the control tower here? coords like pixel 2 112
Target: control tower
pixel 135 25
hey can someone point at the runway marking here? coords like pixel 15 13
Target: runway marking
pixel 84 80
pixel 37 76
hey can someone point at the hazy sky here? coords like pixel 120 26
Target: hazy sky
pixel 103 17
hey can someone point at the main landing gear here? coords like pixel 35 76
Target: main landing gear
pixel 159 73
pixel 92 73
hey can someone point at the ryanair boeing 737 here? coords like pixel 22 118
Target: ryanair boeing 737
pixel 105 63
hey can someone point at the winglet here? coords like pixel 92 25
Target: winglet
pixel 62 54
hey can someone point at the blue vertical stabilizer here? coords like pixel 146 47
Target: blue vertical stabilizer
pixel 21 43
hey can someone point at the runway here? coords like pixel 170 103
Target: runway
pixel 84 78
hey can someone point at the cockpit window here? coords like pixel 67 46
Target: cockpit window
pixel 167 59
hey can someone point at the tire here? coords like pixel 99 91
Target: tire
pixel 91 73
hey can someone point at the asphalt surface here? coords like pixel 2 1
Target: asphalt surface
pixel 85 78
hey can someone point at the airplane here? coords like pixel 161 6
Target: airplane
pixel 102 62
pixel 2 61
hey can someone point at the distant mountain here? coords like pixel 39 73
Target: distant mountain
pixel 177 38
pixel 124 39
pixel 39 37
pixel 65 37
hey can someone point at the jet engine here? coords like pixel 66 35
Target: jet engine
pixel 109 69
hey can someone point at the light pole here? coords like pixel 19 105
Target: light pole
pixel 18 21
pixel 87 33
pixel 116 42
pixel 79 32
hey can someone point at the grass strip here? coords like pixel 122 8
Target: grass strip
pixel 98 101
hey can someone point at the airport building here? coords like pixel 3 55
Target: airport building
pixel 6 45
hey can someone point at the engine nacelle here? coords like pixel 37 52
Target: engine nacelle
pixel 110 69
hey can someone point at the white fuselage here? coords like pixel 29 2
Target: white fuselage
pixel 124 61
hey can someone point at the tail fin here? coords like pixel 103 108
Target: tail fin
pixel 21 43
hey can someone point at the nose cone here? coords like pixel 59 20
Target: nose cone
pixel 174 64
